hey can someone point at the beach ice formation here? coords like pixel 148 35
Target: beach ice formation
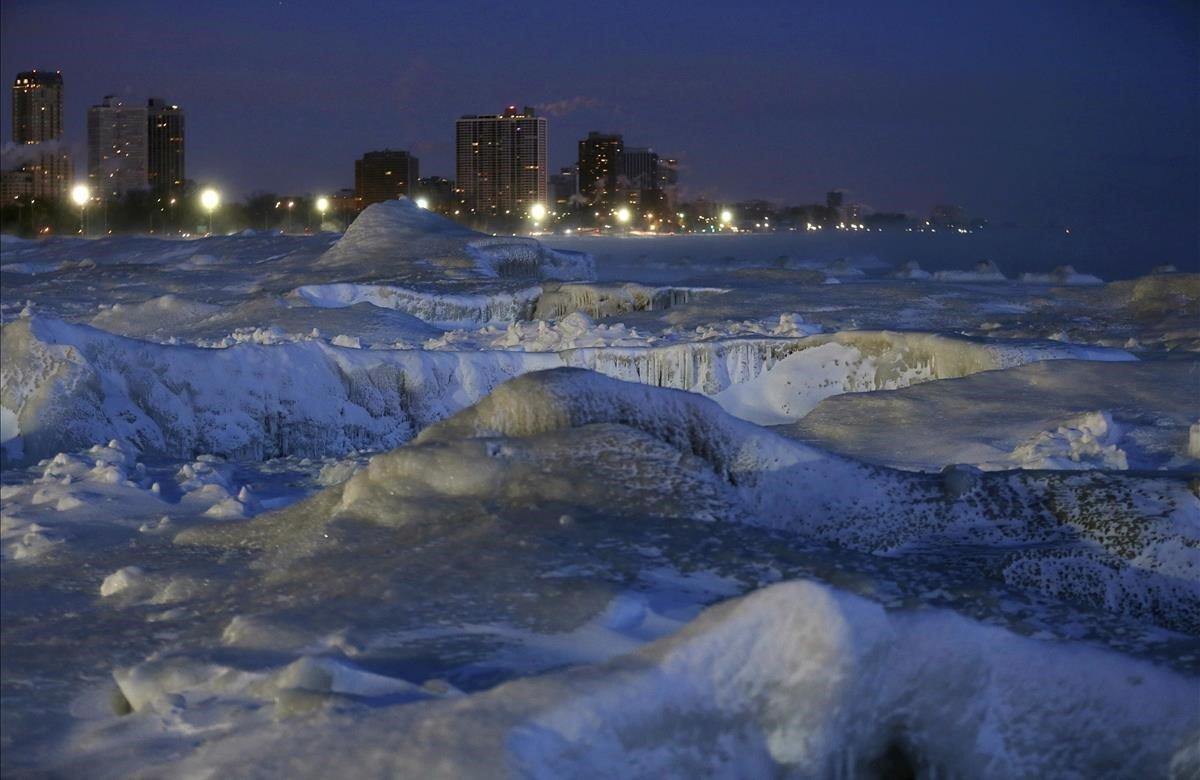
pixel 419 501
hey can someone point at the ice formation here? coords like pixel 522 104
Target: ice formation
pixel 797 678
pixel 984 271
pixel 418 499
pixel 1073 414
pixel 68 385
pixel 398 233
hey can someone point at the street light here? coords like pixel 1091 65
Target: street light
pixel 81 195
pixel 726 217
pixel 210 199
pixel 537 212
pixel 322 205
pixel 291 204
pixel 423 203
pixel 623 215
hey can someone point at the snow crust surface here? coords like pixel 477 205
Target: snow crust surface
pixel 420 501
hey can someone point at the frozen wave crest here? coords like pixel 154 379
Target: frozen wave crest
pixel 68 386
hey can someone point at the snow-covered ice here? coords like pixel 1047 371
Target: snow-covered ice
pixel 420 501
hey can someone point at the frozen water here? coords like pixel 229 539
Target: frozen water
pixel 421 500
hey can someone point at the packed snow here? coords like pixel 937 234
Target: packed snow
pixel 417 500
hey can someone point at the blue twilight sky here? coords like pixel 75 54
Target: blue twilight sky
pixel 1083 112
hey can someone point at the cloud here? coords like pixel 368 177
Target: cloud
pixel 569 105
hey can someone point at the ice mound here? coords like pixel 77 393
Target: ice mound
pixel 1062 275
pixel 984 271
pixel 499 307
pixel 1038 415
pixel 606 300
pixel 446 310
pixel 782 484
pixel 399 237
pixel 164 316
pixel 798 679
pixel 1087 441
pixel 911 270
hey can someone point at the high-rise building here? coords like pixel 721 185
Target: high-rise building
pixel 639 169
pixel 668 181
pixel 117 134
pixel 165 170
pixel 43 170
pixel 37 107
pixel 384 175
pixel 564 187
pixel 600 167
pixel 501 162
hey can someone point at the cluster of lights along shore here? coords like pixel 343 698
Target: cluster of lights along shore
pixel 501 174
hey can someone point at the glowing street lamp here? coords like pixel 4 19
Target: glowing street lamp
pixel 210 199
pixel 726 217
pixel 623 215
pixel 322 205
pixel 537 212
pixel 81 195
pixel 423 203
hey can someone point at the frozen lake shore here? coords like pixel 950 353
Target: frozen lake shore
pixel 418 499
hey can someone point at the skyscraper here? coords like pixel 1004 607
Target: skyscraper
pixel 37 107
pixel 501 162
pixel 668 181
pixel 384 175
pixel 117 135
pixel 165 171
pixel 639 169
pixel 43 169
pixel 599 167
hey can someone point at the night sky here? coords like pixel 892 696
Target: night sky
pixel 1082 113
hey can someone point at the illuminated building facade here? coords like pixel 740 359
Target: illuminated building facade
pixel 501 162
pixel 600 167
pixel 165 160
pixel 43 168
pixel 117 157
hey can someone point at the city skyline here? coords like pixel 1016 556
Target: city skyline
pixel 1089 118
